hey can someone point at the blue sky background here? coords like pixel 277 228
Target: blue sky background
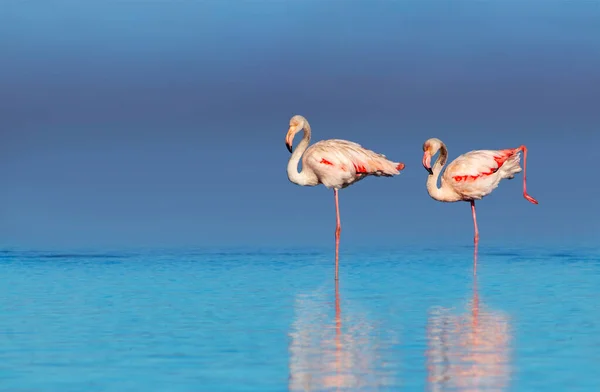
pixel 162 123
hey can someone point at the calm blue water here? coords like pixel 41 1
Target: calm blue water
pixel 260 320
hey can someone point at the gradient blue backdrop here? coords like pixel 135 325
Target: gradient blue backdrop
pixel 162 123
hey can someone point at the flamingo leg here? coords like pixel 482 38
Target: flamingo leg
pixel 475 262
pixel 338 230
pixel 525 194
pixel 475 222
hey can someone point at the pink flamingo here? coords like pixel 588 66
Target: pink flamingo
pixel 335 164
pixel 473 175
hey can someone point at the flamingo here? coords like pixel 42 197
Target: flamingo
pixel 473 175
pixel 334 163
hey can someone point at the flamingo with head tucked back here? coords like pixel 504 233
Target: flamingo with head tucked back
pixel 473 175
pixel 335 164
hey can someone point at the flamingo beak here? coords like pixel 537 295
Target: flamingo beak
pixel 427 162
pixel 289 138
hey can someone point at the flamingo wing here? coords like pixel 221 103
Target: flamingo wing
pixel 343 162
pixel 476 173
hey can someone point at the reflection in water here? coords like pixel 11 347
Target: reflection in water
pixel 346 352
pixel 468 352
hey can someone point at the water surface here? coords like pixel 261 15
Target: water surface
pixel 273 320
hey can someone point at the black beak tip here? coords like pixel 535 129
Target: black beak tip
pixel 289 147
pixel 430 171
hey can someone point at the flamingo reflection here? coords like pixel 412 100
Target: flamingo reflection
pixel 326 356
pixel 468 352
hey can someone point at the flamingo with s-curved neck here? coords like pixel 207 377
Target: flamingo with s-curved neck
pixel 473 175
pixel 334 163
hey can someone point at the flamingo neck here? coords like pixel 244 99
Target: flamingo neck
pixel 443 193
pixel 305 177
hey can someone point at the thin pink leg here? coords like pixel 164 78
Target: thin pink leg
pixel 475 261
pixel 525 194
pixel 338 230
pixel 475 222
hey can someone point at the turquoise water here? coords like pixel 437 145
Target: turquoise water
pixel 273 320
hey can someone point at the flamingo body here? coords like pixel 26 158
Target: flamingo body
pixel 477 173
pixel 339 163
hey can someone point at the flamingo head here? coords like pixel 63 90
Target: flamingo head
pixel 430 148
pixel 296 125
